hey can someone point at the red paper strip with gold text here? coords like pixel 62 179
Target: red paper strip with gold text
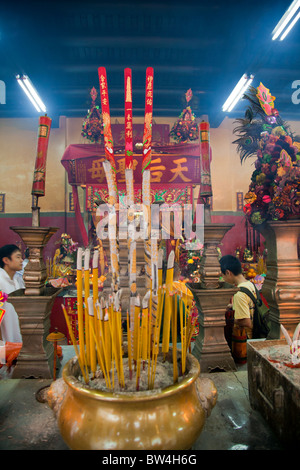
pixel 108 140
pixel 110 172
pixel 39 176
pixel 128 118
pixel 205 157
pixel 147 138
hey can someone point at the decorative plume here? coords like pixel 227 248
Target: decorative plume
pixel 255 122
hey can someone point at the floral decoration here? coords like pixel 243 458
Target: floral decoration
pixel 274 191
pixel 92 127
pixel 186 128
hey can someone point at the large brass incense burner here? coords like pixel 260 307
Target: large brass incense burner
pixel 167 419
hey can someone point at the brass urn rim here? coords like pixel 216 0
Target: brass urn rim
pixel 79 387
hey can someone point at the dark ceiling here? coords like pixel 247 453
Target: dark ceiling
pixel 206 46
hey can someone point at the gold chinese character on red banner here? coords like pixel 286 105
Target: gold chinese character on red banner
pixel 178 171
pixel 156 171
pixel 43 131
pixel 121 169
pixel 97 170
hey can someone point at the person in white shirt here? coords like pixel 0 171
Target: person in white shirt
pixel 10 263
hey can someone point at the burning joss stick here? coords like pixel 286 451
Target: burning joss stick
pixel 118 330
pixel 95 286
pixel 156 335
pixel 138 366
pixel 101 343
pixel 181 333
pixel 168 305
pixel 86 296
pixel 174 338
pixel 129 346
pixel 145 326
pixel 91 337
pixel 80 305
pixel 100 359
pixel 136 327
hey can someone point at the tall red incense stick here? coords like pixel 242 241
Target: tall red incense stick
pixel 39 177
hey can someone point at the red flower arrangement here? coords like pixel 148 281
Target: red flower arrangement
pixel 274 191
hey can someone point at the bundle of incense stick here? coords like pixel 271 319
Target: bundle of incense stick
pixel 153 323
pixel 101 343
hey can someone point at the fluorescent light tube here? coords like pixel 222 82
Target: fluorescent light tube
pixel 249 81
pixel 291 25
pixel 31 93
pixel 285 20
pixel 237 92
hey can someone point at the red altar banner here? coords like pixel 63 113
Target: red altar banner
pixel 39 177
pixel 175 194
pixel 171 164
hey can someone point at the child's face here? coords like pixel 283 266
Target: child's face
pixel 14 263
pixel 228 277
